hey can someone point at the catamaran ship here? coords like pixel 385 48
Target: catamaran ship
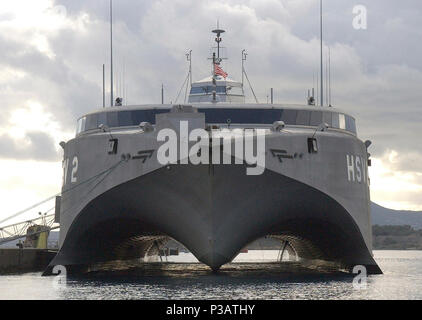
pixel 120 202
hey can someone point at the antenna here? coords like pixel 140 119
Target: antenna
pixel 329 75
pixel 214 92
pixel 103 85
pixel 111 53
pixel 189 58
pixel 311 94
pixel 322 68
pixel 244 55
pixel 326 80
pixel 218 39
pixel 317 88
pixel 124 82
pixel 117 82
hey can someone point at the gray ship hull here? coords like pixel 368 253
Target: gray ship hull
pixel 214 214
pixel 120 207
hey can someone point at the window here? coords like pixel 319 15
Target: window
pixel 91 122
pixel 196 90
pixel 242 116
pixel 289 116
pixel 303 118
pixel 342 121
pixel 81 125
pixel 207 89
pixel 112 119
pixel 350 124
pixel 139 116
pixel 316 118
pixel 102 118
pixel 336 123
pixel 124 118
pixel 267 116
pixel 328 118
pixel 135 117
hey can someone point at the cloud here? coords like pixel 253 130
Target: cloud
pixel 52 52
pixel 396 180
pixel 25 182
pixel 35 146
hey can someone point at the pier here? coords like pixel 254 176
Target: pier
pixel 20 260
pixel 33 253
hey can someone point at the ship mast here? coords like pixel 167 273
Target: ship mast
pixel 216 60
pixel 111 54
pixel 322 72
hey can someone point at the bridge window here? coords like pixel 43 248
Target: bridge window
pixel 112 119
pixel 102 118
pixel 327 118
pixel 289 116
pixel 81 125
pixel 242 116
pixel 127 118
pixel 118 118
pixel 316 118
pixel 336 123
pixel 207 89
pixel 350 124
pixel 91 122
pixel 342 121
pixel 345 122
pixel 303 118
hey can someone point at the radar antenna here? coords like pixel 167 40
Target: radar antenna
pixel 218 39
pixel 216 60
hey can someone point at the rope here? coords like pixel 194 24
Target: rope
pixel 108 171
pixel 15 237
pixel 187 86
pixel 60 193
pixel 253 92
pixel 30 208
pixel 180 91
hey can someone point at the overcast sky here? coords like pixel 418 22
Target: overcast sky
pixel 51 56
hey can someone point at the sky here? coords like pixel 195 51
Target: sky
pixel 52 52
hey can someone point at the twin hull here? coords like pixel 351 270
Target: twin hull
pixel 116 206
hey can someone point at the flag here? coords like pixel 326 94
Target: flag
pixel 219 71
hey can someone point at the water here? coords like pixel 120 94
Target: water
pixel 402 279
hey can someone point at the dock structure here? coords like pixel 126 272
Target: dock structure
pixel 31 254
pixel 20 260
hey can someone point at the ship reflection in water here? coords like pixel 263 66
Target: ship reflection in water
pixel 252 275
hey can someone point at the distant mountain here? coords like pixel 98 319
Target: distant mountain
pixel 383 217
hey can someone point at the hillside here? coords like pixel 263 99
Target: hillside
pixel 389 217
pixel 396 238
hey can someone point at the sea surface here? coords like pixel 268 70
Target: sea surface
pixel 252 275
